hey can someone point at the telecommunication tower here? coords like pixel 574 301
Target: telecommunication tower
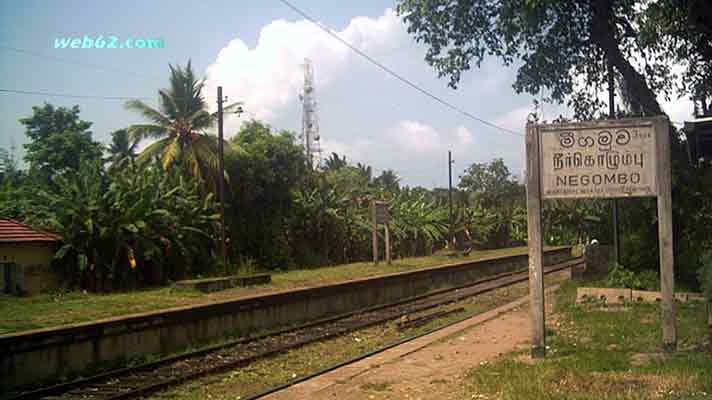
pixel 5 160
pixel 310 119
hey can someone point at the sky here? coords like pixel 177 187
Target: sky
pixel 256 49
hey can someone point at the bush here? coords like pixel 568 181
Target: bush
pixel 129 226
pixel 620 277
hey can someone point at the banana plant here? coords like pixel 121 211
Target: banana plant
pixel 127 218
pixel 417 223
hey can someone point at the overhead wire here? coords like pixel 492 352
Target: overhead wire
pixel 394 74
pixel 290 5
pixel 77 63
pixel 75 96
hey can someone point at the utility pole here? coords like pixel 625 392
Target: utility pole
pixel 449 193
pixel 221 179
pixel 612 115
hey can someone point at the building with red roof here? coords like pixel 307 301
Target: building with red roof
pixel 26 256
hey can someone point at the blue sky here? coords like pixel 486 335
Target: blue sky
pixel 254 49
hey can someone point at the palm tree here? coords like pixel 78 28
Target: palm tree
pixel 179 124
pixel 335 162
pixel 122 149
pixel 388 180
pixel 365 170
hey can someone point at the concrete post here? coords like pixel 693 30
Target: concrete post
pixel 667 278
pixel 536 276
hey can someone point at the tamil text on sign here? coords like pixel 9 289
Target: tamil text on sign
pixel 598 160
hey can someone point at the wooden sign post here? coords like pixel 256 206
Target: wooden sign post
pixel 387 234
pixel 380 215
pixel 617 158
pixel 374 232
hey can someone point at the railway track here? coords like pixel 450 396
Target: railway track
pixel 135 382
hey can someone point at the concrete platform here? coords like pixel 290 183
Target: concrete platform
pixel 44 354
pixel 210 285
pixel 432 366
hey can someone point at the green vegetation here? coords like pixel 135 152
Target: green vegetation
pixel 620 277
pixel 585 36
pixel 613 353
pixel 49 310
pixel 570 46
pixel 134 220
pixel 178 126
pixel 59 141
pixel 283 215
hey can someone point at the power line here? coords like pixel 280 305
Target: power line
pixel 75 96
pixel 77 63
pixel 395 74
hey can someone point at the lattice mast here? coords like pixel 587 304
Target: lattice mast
pixel 6 159
pixel 310 118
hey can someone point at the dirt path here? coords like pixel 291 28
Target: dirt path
pixel 431 367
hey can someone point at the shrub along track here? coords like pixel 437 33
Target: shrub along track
pixel 148 378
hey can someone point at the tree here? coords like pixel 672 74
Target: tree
pixel 388 180
pixel 117 226
pixel 418 224
pixel 563 46
pixel 269 167
pixel 9 173
pixel 122 150
pixel 366 170
pixel 334 162
pixel 179 126
pixel 680 32
pixel 491 183
pixel 496 204
pixel 59 141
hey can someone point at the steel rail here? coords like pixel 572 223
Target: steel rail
pixel 104 385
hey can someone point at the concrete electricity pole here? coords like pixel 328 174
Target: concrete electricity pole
pixel 221 179
pixel 449 194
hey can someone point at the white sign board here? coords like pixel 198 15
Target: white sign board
pixel 601 160
pixel 615 158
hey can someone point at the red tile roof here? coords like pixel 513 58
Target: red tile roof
pixel 14 232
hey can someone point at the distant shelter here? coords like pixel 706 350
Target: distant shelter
pixel 699 139
pixel 26 256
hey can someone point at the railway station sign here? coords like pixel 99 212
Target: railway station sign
pixel 598 160
pixel 615 158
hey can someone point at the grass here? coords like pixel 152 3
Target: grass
pixel 612 353
pixel 48 310
pixel 51 310
pixel 336 273
pixel 309 359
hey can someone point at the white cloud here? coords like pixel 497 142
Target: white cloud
pixel 418 137
pixel 423 139
pixel 352 152
pixel 514 120
pixel 464 136
pixel 268 77
pixel 364 113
